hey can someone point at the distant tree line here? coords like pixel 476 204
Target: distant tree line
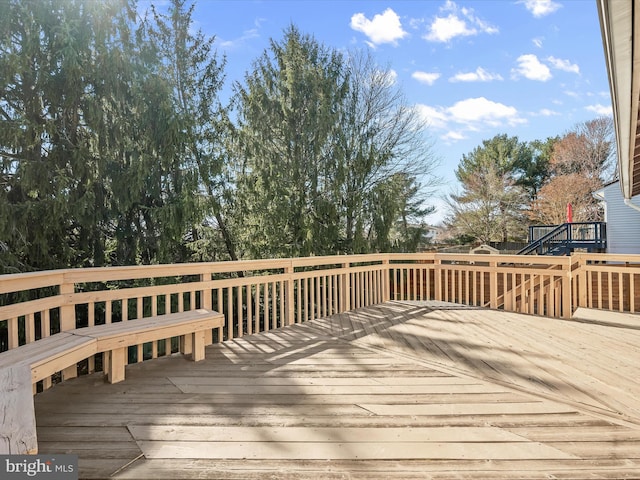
pixel 116 147
pixel 506 184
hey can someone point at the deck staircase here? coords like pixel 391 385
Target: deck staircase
pixel 565 238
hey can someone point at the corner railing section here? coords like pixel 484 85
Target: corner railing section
pixel 260 295
pixel 535 285
pixel 607 282
pixel 255 296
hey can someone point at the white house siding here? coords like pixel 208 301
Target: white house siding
pixel 623 222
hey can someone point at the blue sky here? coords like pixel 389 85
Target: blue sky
pixel 474 69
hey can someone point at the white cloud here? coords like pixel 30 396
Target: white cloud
pixel 460 22
pixel 453 136
pixel 540 8
pixel 480 75
pixel 247 35
pixel 425 77
pixel 475 110
pixel 530 67
pixel 444 29
pixel 545 112
pixel 383 28
pixel 600 109
pixel 538 41
pixel 435 117
pixel 472 114
pixel 564 65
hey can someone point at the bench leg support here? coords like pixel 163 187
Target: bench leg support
pixel 186 344
pixel 198 342
pixel 70 372
pixel 115 359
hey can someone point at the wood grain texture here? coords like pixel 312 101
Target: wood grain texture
pixel 402 390
pixel 17 419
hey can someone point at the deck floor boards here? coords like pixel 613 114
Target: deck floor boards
pixel 401 390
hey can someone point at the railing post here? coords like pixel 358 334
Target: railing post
pixel 567 299
pixel 207 303
pixel 289 297
pixel 345 291
pixel 386 288
pixel 68 321
pixel 493 284
pixel 437 278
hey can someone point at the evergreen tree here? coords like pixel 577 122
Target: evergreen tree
pixel 492 203
pixel 196 73
pixel 288 117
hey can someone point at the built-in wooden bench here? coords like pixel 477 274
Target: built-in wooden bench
pixel 22 367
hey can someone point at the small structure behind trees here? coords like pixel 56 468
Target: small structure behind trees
pixel 507 184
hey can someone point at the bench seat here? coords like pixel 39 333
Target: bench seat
pixel 49 355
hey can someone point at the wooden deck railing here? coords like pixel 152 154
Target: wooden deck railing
pixel 260 295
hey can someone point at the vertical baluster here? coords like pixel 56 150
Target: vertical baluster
pixel 374 286
pixel 312 298
pixel 91 314
pixel 307 300
pixel 167 310
pixel 632 293
pixel 181 302
pixel 232 326
pixel 192 300
pixel 318 299
pixel 353 276
pixel 249 310
pixel 599 290
pixel 367 288
pixel 265 299
pixel 333 295
pixel 256 306
pixel 29 328
pixel 91 362
pixel 324 296
pixel 414 284
pixel 12 332
pixel 239 310
pixel 139 314
pixel 621 291
pixel 274 306
pixel 299 300
pixel 283 317
pixel 45 331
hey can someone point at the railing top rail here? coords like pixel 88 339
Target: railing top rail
pixel 23 281
pixel 571 223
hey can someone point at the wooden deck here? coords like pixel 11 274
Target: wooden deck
pixel 401 390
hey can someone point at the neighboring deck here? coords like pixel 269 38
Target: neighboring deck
pixel 401 390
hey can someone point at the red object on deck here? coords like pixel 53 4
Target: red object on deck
pixel 569 213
